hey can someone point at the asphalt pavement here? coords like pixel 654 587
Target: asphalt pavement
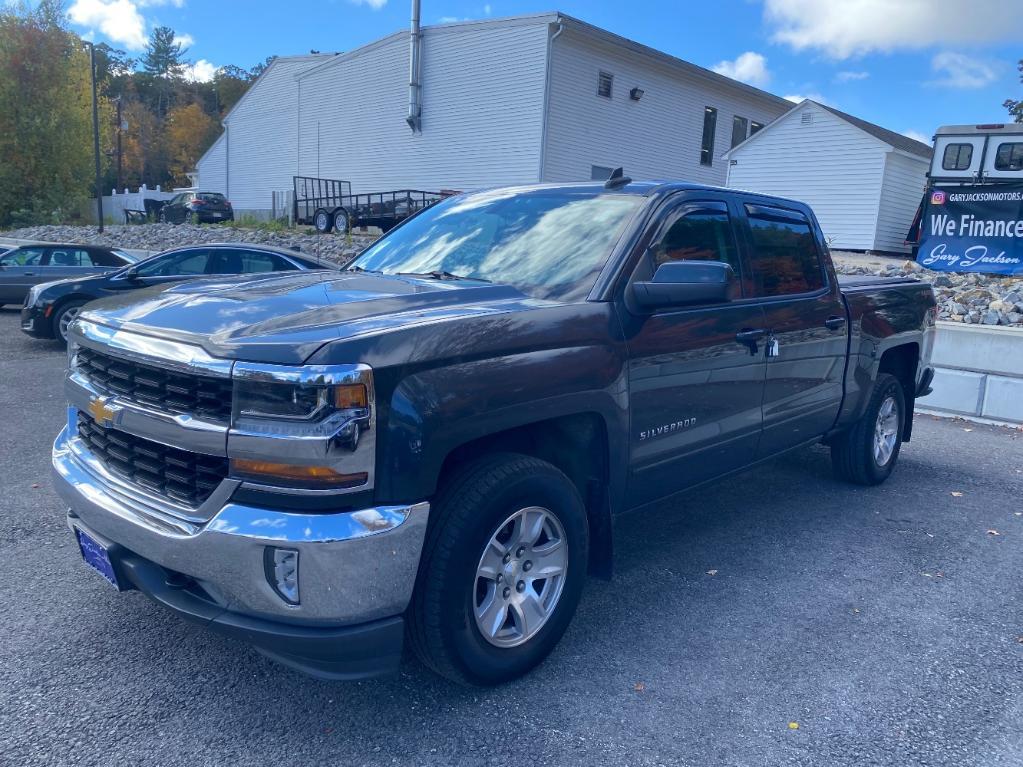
pixel 777 618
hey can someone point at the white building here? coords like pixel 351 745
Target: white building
pixel 863 181
pixel 531 98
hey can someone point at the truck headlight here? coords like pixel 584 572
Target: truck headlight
pixel 308 426
pixel 296 401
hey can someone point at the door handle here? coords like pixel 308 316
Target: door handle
pixel 28 274
pixel 834 323
pixel 749 337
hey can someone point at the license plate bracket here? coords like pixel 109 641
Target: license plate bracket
pixel 97 557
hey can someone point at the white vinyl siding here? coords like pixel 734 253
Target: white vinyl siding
pixel 903 189
pixel 262 136
pixel 657 137
pixel 834 167
pixel 482 102
pixel 212 167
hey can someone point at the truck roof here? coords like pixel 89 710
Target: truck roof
pixel 654 188
pixel 983 129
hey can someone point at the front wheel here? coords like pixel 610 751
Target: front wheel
pixel 866 454
pixel 64 317
pixel 502 570
pixel 323 221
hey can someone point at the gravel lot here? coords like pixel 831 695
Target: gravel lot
pixel 886 622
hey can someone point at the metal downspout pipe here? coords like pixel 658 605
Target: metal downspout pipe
pixel 415 106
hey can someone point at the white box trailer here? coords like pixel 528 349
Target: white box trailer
pixel 975 154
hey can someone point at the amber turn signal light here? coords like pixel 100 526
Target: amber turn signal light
pixel 350 396
pixel 303 476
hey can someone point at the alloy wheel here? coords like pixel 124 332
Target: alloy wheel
pixel 520 577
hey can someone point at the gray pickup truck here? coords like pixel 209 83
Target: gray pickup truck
pixel 430 447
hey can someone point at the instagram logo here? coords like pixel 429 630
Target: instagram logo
pixel 937 198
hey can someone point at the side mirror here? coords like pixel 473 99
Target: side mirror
pixel 685 283
pixel 131 273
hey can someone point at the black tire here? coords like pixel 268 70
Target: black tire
pixel 853 453
pixel 323 221
pixel 341 222
pixel 442 628
pixel 70 307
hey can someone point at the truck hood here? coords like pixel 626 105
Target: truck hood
pixel 284 319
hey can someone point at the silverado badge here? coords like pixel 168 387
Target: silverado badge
pixel 104 413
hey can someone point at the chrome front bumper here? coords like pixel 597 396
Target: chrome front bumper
pixel 354 566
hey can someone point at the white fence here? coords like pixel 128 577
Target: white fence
pixel 116 202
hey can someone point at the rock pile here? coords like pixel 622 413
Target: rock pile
pixel 156 237
pixel 976 299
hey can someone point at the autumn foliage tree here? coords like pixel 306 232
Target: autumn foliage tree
pixel 45 115
pixel 167 119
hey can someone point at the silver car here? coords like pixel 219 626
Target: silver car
pixel 29 265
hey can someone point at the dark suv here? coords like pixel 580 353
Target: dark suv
pixel 197 208
pixel 49 308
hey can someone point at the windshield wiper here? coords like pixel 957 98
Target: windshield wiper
pixel 360 269
pixel 438 275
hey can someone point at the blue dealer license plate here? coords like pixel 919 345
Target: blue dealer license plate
pixel 96 557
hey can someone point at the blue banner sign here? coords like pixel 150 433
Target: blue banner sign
pixel 973 229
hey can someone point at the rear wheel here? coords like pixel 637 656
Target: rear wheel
pixel 341 221
pixel 323 221
pixel 866 454
pixel 63 318
pixel 502 570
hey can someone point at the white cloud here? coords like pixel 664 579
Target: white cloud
pixel 160 3
pixel 184 40
pixel 917 135
pixel 797 98
pixel 848 76
pixel 376 5
pixel 449 19
pixel 854 27
pixel 749 67
pixel 958 70
pixel 201 71
pixel 118 20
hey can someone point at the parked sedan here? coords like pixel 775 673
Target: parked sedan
pixel 49 308
pixel 30 265
pixel 197 207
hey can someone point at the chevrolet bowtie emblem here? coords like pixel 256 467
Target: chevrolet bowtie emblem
pixel 103 413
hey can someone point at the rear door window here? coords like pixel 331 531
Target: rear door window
pixel 785 259
pixel 70 257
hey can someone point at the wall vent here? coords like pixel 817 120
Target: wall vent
pixel 807 118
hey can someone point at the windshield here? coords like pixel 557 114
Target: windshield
pixel 547 243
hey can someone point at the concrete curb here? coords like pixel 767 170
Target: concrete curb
pixel 978 373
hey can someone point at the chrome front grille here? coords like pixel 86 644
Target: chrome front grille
pixel 179 475
pixel 204 397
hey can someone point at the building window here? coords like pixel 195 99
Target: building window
pixel 739 127
pixel 600 173
pixel 604 82
pixel 957 157
pixel 710 124
pixel 755 127
pixel 1009 157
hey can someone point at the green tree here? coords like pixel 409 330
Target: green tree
pixel 164 57
pixel 1015 106
pixel 45 115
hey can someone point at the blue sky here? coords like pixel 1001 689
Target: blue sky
pixel 909 65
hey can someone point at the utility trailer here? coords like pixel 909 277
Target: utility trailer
pixel 329 205
pixel 971 215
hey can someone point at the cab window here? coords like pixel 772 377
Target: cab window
pixel 699 231
pixel 785 259
pixel 1009 157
